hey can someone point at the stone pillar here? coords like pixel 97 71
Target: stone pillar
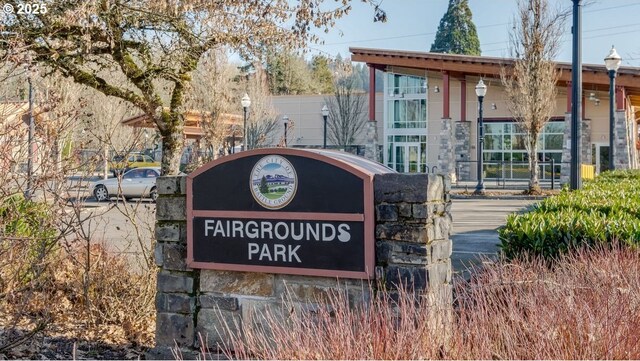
pixel 176 284
pixel 446 156
pixel 565 167
pixel 412 246
pixel 462 150
pixel 585 145
pixel 371 147
pixel 622 141
pixel 413 229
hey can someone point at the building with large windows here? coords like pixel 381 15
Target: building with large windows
pixel 430 112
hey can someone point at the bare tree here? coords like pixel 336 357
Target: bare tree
pixel 213 94
pixel 263 122
pixel 346 112
pixel 530 85
pixel 155 45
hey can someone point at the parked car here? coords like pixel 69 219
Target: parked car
pixel 120 164
pixel 136 183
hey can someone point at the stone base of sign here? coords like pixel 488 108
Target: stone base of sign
pixel 413 248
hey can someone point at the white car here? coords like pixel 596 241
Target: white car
pixel 136 183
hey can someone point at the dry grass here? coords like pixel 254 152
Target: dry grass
pixel 106 304
pixel 587 306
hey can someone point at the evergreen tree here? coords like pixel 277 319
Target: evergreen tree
pixel 287 73
pixel 456 32
pixel 264 189
pixel 322 75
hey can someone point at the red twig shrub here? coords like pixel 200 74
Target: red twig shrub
pixel 584 306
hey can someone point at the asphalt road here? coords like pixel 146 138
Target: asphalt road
pixel 475 224
pixel 127 229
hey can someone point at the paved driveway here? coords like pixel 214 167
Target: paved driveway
pixel 475 223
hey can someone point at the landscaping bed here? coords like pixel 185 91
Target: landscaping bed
pixel 603 211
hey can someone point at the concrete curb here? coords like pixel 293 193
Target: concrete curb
pixel 496 196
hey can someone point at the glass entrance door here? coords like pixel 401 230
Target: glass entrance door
pixel 600 156
pixel 407 157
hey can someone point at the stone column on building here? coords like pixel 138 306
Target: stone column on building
pixel 446 156
pixel 371 147
pixel 462 150
pixel 622 141
pixel 565 167
pixel 585 145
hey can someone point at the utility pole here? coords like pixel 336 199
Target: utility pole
pixel 575 179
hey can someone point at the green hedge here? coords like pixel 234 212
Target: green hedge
pixel 604 210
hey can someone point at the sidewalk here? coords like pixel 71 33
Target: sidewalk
pixel 475 223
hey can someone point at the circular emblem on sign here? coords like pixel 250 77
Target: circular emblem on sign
pixel 273 182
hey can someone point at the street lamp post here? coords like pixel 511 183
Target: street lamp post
pixel 246 103
pixel 325 114
pixel 285 121
pixel 481 91
pixel 612 62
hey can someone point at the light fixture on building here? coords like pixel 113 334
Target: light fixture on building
pixel 436 89
pixel 612 62
pixel 494 106
pixel 592 96
pixel 597 102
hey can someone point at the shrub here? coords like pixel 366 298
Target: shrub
pixel 604 210
pixel 584 306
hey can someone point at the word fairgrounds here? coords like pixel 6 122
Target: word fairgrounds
pixel 290 233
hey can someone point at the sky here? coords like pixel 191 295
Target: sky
pixel 412 25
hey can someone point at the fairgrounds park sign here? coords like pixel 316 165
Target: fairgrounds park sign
pixel 292 211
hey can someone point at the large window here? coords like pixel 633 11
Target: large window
pixel 505 153
pixel 398 84
pixel 406 102
pixel 405 119
pixel 407 113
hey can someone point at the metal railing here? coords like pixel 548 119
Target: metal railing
pixel 503 171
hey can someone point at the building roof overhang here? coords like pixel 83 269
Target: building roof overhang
pixel 595 77
pixel 193 123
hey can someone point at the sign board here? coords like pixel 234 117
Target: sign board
pixel 292 211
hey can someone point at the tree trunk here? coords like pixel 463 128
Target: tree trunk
pixel 172 144
pixel 534 176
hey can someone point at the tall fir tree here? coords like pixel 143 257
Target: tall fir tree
pixel 456 32
pixel 322 75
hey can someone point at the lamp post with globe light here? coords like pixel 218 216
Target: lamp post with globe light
pixel 285 121
pixel 481 91
pixel 325 114
pixel 612 62
pixel 246 103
